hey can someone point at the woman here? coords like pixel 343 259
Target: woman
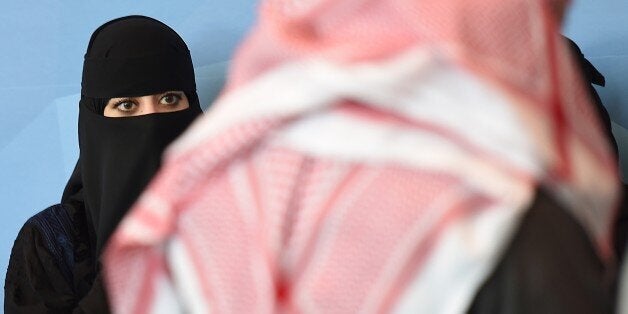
pixel 138 94
pixel 432 156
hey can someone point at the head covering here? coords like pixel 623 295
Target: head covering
pixel 485 38
pixel 136 56
pixel 126 57
pixel 368 156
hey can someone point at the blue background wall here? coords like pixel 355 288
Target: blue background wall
pixel 40 71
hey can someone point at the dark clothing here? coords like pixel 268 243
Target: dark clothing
pixel 51 270
pixel 550 266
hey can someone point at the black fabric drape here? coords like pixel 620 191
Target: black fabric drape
pixel 118 158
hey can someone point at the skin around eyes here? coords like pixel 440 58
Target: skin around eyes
pixel 136 106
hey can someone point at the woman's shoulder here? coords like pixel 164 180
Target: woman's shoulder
pixel 39 274
pixel 51 227
pixel 38 226
pixel 46 235
pixel 53 216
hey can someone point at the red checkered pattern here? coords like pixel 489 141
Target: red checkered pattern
pixel 270 228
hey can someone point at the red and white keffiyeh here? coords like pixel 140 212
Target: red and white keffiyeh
pixel 366 156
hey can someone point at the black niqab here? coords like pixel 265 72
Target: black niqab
pixel 126 57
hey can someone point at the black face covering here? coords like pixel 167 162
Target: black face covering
pixel 126 57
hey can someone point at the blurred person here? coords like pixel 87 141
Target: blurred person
pixel 435 156
pixel 592 76
pixel 138 94
pixel 620 234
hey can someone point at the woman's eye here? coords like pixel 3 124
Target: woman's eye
pixel 170 99
pixel 126 106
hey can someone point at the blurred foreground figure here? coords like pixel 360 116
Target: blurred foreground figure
pixel 367 156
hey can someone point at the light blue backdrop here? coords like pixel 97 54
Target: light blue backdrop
pixel 40 71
